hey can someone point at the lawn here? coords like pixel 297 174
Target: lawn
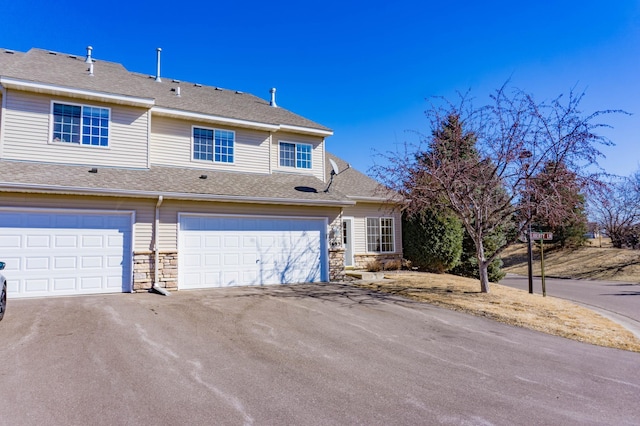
pixel 510 306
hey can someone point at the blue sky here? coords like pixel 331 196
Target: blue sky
pixel 364 69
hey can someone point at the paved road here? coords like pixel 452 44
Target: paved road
pixel 620 301
pixel 304 354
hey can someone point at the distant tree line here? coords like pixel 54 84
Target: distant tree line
pixel 616 210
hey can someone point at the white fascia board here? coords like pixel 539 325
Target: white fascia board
pixel 30 86
pixel 387 200
pixel 306 130
pixel 55 189
pixel 176 113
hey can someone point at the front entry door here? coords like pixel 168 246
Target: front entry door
pixel 347 240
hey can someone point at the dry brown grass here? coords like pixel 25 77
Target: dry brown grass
pixel 510 306
pixel 590 262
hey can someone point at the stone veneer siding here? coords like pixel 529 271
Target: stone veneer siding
pixel 336 265
pixel 144 268
pixel 361 260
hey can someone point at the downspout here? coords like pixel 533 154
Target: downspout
pixel 156 253
pixel 270 153
pixel 3 92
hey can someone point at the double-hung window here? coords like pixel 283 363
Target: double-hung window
pixel 380 234
pixel 80 124
pixel 295 155
pixel 213 145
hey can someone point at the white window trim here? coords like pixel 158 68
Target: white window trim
pixel 295 161
pixel 393 233
pixel 61 143
pixel 213 159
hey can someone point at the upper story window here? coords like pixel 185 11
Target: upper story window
pixel 380 234
pixel 297 155
pixel 81 124
pixel 213 145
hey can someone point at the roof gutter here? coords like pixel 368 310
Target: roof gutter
pixel 20 187
pixel 377 199
pixel 54 89
pixel 307 130
pixel 175 113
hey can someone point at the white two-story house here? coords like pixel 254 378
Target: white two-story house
pixel 114 181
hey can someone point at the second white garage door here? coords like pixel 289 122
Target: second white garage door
pixel 220 251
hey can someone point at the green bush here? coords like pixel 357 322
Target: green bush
pixel 468 266
pixel 432 240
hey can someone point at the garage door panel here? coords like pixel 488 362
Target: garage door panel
pixel 231 259
pixel 58 253
pixel 192 241
pixel 92 241
pixel 230 278
pixel 254 251
pixel 66 241
pixel 212 241
pixel 36 285
pixel 231 241
pixel 212 260
pixel 114 261
pixel 249 259
pixel 88 262
pixel 10 241
pixel 37 263
pixel 36 241
pixel 91 283
pixel 64 284
pixel 65 262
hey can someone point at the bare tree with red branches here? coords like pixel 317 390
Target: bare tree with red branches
pixel 501 166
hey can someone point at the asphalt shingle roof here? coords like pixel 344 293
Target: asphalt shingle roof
pixel 41 66
pixel 354 183
pixel 283 188
pixel 71 71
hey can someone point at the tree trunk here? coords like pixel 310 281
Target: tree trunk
pixel 483 266
pixel 484 276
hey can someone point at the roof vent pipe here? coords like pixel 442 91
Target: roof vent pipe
pixel 273 97
pixel 158 79
pixel 91 69
pixel 89 60
pixel 178 91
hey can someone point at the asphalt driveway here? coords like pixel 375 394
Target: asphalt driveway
pixel 304 354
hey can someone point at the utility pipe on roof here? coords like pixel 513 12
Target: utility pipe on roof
pixel 156 252
pixel 158 79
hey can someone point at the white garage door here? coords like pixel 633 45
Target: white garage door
pixel 219 251
pixel 54 253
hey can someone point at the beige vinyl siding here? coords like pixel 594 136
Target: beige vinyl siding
pixel 168 232
pixel 27 133
pixel 317 156
pixel 171 141
pixel 144 210
pixel 360 212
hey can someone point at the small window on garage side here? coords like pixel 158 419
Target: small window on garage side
pixel 80 124
pixel 295 155
pixel 380 235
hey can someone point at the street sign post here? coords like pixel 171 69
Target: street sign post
pixel 546 236
pixel 542 236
